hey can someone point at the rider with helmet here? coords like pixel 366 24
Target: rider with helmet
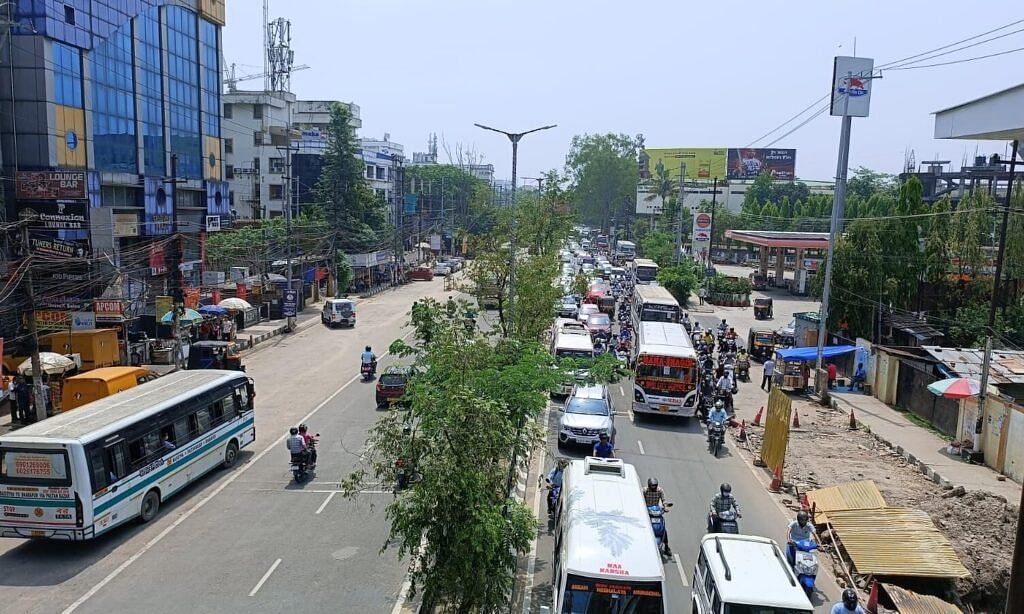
pixel 310 441
pixel 722 502
pixel 654 495
pixel 717 415
pixel 296 445
pixel 849 604
pixel 369 358
pixel 800 529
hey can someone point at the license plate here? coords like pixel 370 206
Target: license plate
pixel 583 441
pixel 663 408
pixel 38 533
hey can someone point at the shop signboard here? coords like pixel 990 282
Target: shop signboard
pixel 50 185
pixel 52 319
pixel 291 302
pixel 59 215
pixel 52 246
pixel 83 320
pixel 109 311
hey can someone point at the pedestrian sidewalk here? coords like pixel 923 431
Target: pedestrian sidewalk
pixel 252 336
pixel 921 447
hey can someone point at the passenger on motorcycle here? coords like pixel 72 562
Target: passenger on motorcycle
pixel 554 480
pixel 654 495
pixel 310 441
pixel 723 501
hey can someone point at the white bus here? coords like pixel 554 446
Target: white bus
pixel 666 372
pixel 625 250
pixel 571 344
pixel 644 271
pixel 655 304
pixel 79 474
pixel 744 574
pixel 605 560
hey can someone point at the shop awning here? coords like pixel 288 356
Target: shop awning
pixel 811 353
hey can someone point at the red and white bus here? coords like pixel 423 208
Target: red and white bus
pixel 666 371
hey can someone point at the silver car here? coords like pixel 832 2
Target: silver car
pixel 587 414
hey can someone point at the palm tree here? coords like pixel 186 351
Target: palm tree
pixel 661 186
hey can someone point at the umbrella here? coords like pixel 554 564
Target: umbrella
pixel 212 310
pixel 955 388
pixel 51 363
pixel 190 315
pixel 235 303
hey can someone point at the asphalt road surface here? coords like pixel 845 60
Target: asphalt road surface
pixel 250 539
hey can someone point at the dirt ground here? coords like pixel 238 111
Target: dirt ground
pixel 980 525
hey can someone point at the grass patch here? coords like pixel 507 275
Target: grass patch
pixel 921 422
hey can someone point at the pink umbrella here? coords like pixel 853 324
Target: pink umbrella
pixel 955 388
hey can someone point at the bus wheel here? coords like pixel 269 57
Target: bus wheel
pixel 230 455
pixel 150 506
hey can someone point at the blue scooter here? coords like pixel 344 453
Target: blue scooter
pixel 804 562
pixel 657 514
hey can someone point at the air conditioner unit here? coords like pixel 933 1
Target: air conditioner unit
pixel 609 466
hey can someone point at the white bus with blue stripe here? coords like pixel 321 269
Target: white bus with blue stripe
pixel 80 473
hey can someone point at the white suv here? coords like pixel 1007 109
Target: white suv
pixel 586 414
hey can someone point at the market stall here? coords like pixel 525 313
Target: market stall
pixel 793 366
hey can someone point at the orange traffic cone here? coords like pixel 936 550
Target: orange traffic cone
pixel 853 420
pixel 757 416
pixel 796 419
pixel 743 431
pixel 776 480
pixel 872 605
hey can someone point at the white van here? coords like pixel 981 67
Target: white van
pixel 743 574
pixel 571 344
pixel 605 559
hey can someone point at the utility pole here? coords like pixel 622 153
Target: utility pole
pixel 711 230
pixel 289 250
pixel 177 292
pixel 514 137
pixel 37 368
pixel 681 202
pixel 398 179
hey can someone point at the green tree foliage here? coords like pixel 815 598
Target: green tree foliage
pixel 680 280
pixel 343 273
pixel 466 198
pixel 351 209
pixel 602 172
pixel 258 244
pixel 659 246
pixel 866 183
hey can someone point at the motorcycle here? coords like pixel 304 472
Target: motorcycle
pixel 302 466
pixel 804 562
pixel 743 369
pixel 657 515
pixel 716 436
pixel 725 522
pixel 368 370
pixel 401 476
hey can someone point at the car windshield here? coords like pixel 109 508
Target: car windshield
pixel 732 608
pixel 598 320
pixel 393 379
pixel 590 407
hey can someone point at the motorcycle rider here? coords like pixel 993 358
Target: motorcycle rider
pixel 310 441
pixel 369 358
pixel 799 530
pixel 654 495
pixel 722 502
pixel 718 414
pixel 724 326
pixel 554 480
pixel 849 604
pixel 723 388
pixel 297 445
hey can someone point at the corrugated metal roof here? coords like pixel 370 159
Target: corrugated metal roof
pixel 1006 367
pixel 849 496
pixel 909 602
pixel 896 541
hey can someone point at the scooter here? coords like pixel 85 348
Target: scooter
pixel 726 522
pixel 368 370
pixel 716 436
pixel 743 369
pixel 657 514
pixel 804 562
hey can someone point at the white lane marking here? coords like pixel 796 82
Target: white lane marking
pixel 199 505
pixel 265 577
pixel 326 501
pixel 640 445
pixel 632 417
pixel 679 566
pixel 531 564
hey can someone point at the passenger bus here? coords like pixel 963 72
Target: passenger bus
pixel 570 344
pixel 666 373
pixel 605 558
pixel 644 271
pixel 81 473
pixel 655 304
pixel 625 250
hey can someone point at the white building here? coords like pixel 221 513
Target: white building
pixel 258 128
pixel 381 157
pixel 730 195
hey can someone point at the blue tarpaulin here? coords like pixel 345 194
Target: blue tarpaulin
pixel 811 353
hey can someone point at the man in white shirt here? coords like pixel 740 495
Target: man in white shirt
pixel 225 329
pixel 766 380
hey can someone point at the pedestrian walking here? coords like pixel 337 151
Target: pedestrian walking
pixel 766 379
pixel 833 373
pixel 22 394
pixel 225 330
pixel 702 294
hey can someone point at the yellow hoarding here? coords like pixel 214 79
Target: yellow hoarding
pixel 701 163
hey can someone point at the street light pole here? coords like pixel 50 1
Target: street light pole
pixel 514 137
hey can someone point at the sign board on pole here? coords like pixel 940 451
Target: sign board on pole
pixel 291 301
pixel 109 310
pixel 851 86
pixel 701 232
pixel 213 223
pixel 83 320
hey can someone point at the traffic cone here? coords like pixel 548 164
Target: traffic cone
pixel 776 480
pixel 743 431
pixel 872 605
pixel 796 419
pixel 853 420
pixel 757 416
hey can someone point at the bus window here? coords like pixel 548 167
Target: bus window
pixel 230 406
pixel 242 399
pixel 199 422
pixel 181 431
pixel 101 476
pixel 143 449
pixel 217 413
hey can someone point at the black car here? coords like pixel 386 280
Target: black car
pixel 392 383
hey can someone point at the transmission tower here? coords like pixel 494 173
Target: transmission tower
pixel 278 52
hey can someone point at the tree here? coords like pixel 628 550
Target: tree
pixel 352 210
pixel 680 280
pixel 866 183
pixel 659 246
pixel 343 273
pixel 465 198
pixel 602 170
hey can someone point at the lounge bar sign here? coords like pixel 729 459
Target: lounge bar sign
pixel 50 185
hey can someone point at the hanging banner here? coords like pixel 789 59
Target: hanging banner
pixel 191 298
pixel 291 302
pixel 241 291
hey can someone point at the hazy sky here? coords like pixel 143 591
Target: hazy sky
pixel 714 74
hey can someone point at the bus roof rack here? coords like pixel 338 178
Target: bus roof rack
pixel 609 466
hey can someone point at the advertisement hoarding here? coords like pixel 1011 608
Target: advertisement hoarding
pixel 701 235
pixel 50 185
pixel 52 246
pixel 55 215
pixel 701 164
pixel 749 163
pixel 851 86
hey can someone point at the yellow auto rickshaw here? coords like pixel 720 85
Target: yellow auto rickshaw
pixel 763 309
pixel 761 343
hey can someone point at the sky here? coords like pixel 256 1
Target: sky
pixel 683 74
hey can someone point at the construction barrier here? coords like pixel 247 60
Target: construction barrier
pixel 776 431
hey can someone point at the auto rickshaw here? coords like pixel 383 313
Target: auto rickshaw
pixel 606 304
pixel 214 355
pixel 763 309
pixel 758 281
pixel 761 343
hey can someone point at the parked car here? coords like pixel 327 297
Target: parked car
pixel 421 273
pixel 392 383
pixel 338 311
pixel 457 262
pixel 442 268
pixel 586 414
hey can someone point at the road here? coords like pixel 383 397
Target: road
pixel 676 454
pixel 248 538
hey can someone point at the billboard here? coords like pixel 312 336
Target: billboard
pixel 701 164
pixel 749 163
pixel 50 185
pixel 851 86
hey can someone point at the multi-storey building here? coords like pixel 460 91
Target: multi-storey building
pixel 256 145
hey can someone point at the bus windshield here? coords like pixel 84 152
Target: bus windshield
pixel 576 354
pixel 646 273
pixel 594 596
pixel 660 313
